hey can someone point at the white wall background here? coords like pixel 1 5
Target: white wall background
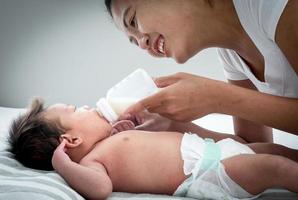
pixel 70 51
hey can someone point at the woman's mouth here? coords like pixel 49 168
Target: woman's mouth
pixel 160 45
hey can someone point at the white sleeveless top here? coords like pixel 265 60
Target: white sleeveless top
pixel 259 19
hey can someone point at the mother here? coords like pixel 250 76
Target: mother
pixel 257 42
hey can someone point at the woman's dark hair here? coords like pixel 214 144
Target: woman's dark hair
pixel 33 139
pixel 108 4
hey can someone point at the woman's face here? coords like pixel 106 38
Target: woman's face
pixel 165 28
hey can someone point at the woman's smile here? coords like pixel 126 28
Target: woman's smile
pixel 160 44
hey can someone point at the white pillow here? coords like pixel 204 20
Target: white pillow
pixel 6 117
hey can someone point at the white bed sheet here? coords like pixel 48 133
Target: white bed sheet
pixel 215 122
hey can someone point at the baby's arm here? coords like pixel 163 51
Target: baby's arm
pixel 88 178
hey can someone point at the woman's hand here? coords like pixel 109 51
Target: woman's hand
pixel 183 97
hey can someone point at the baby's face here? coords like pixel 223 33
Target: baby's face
pixel 84 121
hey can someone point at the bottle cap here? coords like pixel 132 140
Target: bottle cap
pixel 106 110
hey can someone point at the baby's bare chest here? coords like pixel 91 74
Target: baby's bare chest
pixel 139 159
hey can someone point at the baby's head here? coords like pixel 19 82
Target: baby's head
pixel 35 135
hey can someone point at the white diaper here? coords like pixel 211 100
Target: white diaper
pixel 210 181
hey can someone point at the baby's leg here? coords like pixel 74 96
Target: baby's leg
pixel 257 172
pixel 275 149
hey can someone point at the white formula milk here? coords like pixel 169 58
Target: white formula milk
pixel 127 92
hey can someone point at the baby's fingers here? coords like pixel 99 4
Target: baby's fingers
pixel 129 125
pixel 62 146
pixel 123 126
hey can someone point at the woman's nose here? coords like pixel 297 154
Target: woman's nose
pixel 144 41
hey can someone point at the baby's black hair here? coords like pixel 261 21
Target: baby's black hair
pixel 33 139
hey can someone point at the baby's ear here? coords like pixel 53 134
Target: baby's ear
pixel 71 141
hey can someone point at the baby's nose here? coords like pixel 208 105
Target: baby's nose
pixel 86 107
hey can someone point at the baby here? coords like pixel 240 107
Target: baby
pixel 95 160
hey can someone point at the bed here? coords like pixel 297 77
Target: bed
pixel 18 182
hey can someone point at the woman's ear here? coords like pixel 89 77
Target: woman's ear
pixel 71 141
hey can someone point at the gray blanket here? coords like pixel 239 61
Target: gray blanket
pixel 18 182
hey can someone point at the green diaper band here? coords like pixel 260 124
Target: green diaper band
pixel 211 156
pixel 210 161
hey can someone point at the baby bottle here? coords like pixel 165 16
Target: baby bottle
pixel 130 90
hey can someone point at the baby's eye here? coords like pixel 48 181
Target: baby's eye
pixel 133 41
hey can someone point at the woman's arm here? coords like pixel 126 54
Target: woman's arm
pixel 287 33
pixel 284 117
pixel 154 122
pixel 248 130
pixel 185 97
pixel 273 111
pixel 184 127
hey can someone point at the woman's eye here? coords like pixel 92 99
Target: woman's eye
pixel 133 21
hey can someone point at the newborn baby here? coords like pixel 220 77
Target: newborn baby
pixel 95 162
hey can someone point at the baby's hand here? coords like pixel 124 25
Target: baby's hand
pixel 122 125
pixel 60 157
pixel 149 121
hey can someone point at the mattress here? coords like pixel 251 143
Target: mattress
pixel 18 182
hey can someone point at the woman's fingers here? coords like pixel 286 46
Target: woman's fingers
pixel 166 80
pixel 147 103
pixel 156 100
pixel 126 116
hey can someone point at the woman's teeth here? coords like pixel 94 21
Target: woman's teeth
pixel 161 45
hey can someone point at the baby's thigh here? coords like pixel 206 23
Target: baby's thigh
pixel 253 172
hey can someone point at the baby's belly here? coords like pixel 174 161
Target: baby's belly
pixel 143 162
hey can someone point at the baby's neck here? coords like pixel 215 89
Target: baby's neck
pixel 78 153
